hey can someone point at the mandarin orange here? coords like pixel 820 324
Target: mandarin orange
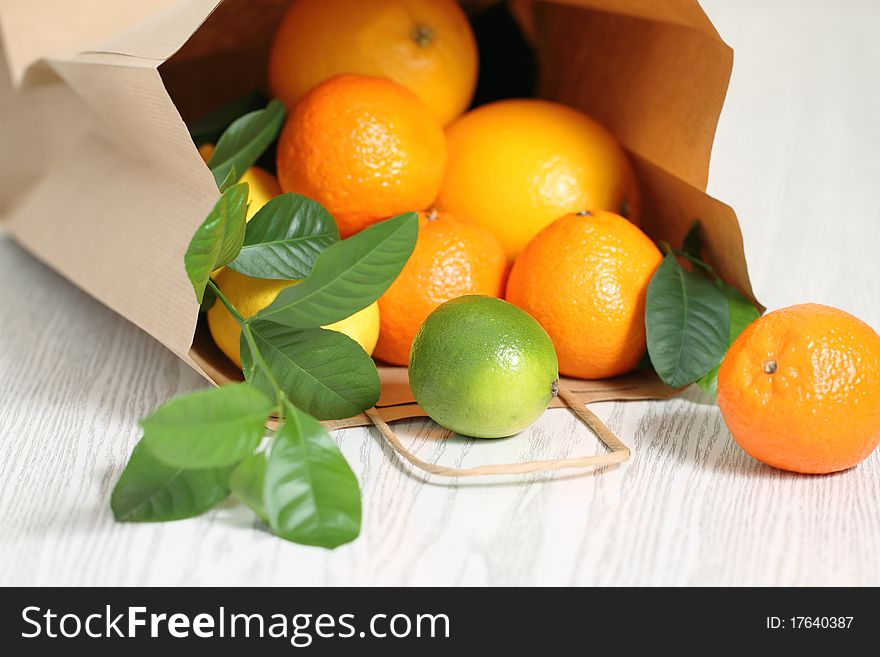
pixel 585 278
pixel 799 389
pixel 363 147
pixel 451 259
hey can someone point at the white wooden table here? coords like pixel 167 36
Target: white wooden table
pixel 798 156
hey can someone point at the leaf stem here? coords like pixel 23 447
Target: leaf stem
pixel 694 260
pixel 252 344
pixel 261 362
pixel 705 266
pixel 232 309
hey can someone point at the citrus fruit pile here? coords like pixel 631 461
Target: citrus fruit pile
pixel 530 262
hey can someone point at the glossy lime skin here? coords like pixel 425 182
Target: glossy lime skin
pixel 482 367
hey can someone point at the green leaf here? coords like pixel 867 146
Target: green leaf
pixel 151 491
pixel 742 313
pixel 311 495
pixel 245 140
pixel 325 373
pixel 285 238
pixel 209 428
pixel 687 320
pixel 231 179
pixel 692 245
pixel 208 300
pixel 218 240
pixel 348 276
pixel 247 482
pixel 208 128
pixel 708 383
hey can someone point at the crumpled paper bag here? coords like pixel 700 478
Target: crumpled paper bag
pixel 99 177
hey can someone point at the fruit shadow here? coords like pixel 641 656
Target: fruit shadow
pixel 688 430
pixel 427 430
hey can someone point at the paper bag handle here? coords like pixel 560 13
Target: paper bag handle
pixel 617 454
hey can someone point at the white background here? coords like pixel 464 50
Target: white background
pixel 797 154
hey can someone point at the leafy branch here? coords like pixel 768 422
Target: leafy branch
pixel 246 138
pixel 197 448
pixel 692 316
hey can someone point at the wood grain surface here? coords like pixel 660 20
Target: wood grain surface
pixel 797 155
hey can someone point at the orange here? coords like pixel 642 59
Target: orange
pixel 363 147
pixel 425 45
pixel 799 389
pixel 516 166
pixel 451 259
pixel 585 278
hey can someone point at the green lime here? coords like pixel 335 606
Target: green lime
pixel 482 367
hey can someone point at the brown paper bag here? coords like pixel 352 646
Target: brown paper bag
pixel 99 177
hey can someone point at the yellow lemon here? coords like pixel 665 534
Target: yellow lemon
pixel 262 185
pixel 250 295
